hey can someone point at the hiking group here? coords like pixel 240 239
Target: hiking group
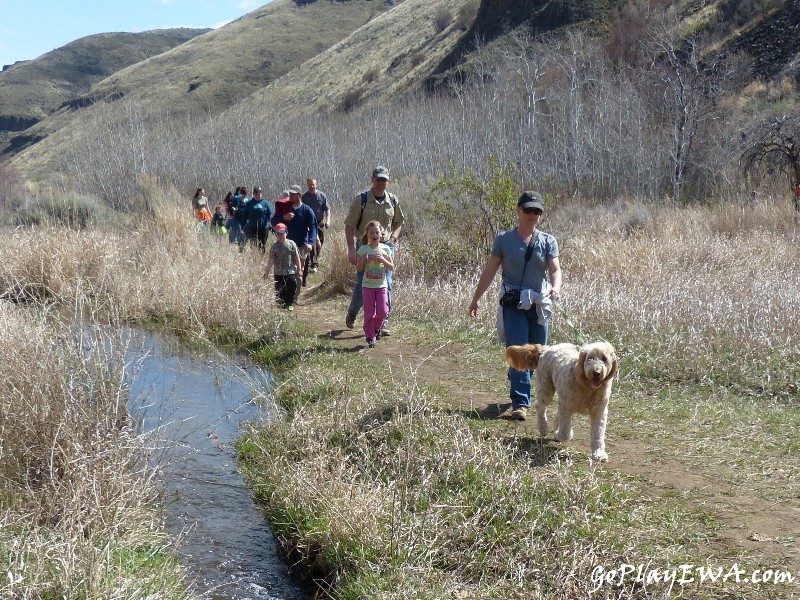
pixel 299 220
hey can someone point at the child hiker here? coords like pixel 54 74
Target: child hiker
pixel 218 220
pixel 283 255
pixel 374 259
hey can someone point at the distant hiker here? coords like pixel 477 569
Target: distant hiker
pixel 198 194
pixel 201 213
pixel 283 255
pixel 374 262
pixel 218 220
pixel 318 202
pixel 236 229
pixel 255 218
pixel 233 202
pixel 374 204
pixel 301 224
pixel 229 207
pixel 797 196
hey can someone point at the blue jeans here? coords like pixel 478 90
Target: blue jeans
pixel 522 327
pixel 357 299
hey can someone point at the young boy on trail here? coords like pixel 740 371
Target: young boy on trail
pixel 375 259
pixel 283 255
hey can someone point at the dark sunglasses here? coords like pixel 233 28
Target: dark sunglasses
pixel 532 211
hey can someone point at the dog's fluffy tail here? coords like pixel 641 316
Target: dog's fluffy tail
pixel 524 358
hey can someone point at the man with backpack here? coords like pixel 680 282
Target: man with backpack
pixel 374 204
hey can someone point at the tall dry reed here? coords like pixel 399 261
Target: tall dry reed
pixel 79 516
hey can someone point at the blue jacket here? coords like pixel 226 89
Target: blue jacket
pixel 255 215
pixel 302 229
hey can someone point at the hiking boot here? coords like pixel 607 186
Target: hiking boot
pixel 519 414
pixel 384 333
pixel 350 321
pixel 371 343
pixel 314 269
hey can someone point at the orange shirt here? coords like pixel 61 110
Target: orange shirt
pixel 203 214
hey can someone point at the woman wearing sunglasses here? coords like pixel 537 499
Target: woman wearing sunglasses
pixel 531 281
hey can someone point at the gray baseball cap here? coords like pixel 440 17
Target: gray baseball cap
pixel 381 172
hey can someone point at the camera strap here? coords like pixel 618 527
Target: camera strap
pixel 528 254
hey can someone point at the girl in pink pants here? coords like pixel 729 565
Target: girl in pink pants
pixel 374 259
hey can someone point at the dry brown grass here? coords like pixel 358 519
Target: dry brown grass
pixel 378 488
pixel 78 506
pixel 166 269
pixel 78 511
pixel 384 490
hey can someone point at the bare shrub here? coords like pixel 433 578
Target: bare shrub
pixel 71 210
pixel 9 185
pixel 371 75
pixel 417 58
pixel 467 14
pixel 351 100
pixel 442 19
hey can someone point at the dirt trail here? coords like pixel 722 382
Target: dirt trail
pixel 766 531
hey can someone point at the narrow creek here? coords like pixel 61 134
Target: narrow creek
pixel 192 408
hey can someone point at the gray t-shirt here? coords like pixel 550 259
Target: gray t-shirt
pixel 511 249
pixel 318 203
pixel 283 257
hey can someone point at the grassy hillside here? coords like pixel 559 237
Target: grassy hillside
pixel 31 90
pixel 387 58
pixel 326 57
pixel 211 72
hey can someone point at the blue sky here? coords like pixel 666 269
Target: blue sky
pixel 30 28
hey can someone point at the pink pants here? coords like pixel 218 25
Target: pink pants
pixel 376 309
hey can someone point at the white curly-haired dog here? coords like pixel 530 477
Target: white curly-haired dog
pixel 582 378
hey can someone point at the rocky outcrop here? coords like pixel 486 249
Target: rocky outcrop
pixel 496 18
pixel 774 43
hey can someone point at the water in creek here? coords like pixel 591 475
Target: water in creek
pixel 193 408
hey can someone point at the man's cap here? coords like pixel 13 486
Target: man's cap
pixel 279 228
pixel 531 200
pixel 381 172
pixel 295 189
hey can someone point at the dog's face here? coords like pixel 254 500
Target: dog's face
pixel 598 363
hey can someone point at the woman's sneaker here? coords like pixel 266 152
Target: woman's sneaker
pixel 519 414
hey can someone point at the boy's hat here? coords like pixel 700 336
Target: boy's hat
pixel 279 228
pixel 295 189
